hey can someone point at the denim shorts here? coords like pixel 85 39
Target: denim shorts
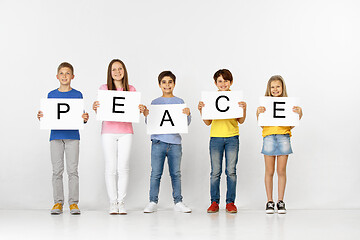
pixel 276 144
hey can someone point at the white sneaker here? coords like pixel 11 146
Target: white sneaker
pixel 122 209
pixel 151 207
pixel 114 208
pixel 181 207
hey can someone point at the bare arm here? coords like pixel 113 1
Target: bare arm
pixel 200 106
pixel 143 109
pixel 96 104
pixel 298 110
pixel 259 110
pixel 243 106
pixel 85 116
pixel 40 115
pixel 188 114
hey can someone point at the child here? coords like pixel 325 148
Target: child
pixel 65 141
pixel 116 141
pixel 276 144
pixel 224 137
pixel 166 145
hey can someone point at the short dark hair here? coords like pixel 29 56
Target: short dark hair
pixel 166 74
pixel 226 74
pixel 66 64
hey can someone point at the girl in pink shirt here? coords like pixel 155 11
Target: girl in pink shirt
pixel 116 141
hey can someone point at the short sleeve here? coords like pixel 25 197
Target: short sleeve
pixel 132 88
pixel 103 87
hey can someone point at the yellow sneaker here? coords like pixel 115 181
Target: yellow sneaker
pixel 57 209
pixel 74 209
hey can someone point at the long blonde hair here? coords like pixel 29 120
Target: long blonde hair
pixel 272 79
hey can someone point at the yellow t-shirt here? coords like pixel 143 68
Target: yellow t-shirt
pixel 224 128
pixel 275 130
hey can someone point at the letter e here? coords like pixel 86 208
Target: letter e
pixel 278 109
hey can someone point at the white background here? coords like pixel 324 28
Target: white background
pixel 314 45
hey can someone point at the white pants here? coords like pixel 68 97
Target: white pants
pixel 117 153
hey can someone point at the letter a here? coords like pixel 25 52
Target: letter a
pixel 169 119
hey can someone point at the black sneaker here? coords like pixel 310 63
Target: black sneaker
pixel 270 207
pixel 281 207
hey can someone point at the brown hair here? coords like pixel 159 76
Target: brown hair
pixel 67 65
pixel 226 74
pixel 276 78
pixel 166 74
pixel 110 80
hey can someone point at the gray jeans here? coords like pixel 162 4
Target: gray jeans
pixel 71 149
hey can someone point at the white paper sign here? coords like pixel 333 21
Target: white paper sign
pixel 222 105
pixel 62 113
pixel 118 106
pixel 278 111
pixel 167 118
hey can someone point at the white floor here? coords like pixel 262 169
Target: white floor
pixel 166 224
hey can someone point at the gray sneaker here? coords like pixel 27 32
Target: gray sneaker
pixel 57 209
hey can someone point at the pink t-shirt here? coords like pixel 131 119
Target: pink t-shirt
pixel 116 127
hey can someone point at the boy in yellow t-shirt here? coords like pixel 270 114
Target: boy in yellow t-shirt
pixel 224 137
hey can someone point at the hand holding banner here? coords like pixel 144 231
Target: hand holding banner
pixel 278 111
pixel 118 106
pixel 62 113
pixel 166 119
pixel 221 105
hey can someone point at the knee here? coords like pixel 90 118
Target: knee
pixel 281 172
pixel 58 172
pixel 175 174
pixel 269 172
pixel 230 172
pixel 73 173
pixel 110 172
pixel 123 169
pixel 215 170
pixel 215 173
pixel 156 174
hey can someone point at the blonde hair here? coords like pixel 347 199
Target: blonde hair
pixel 276 78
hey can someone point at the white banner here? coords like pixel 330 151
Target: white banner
pixel 62 113
pixel 278 111
pixel 222 105
pixel 118 106
pixel 167 118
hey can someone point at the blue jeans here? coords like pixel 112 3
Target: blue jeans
pixel 160 150
pixel 219 145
